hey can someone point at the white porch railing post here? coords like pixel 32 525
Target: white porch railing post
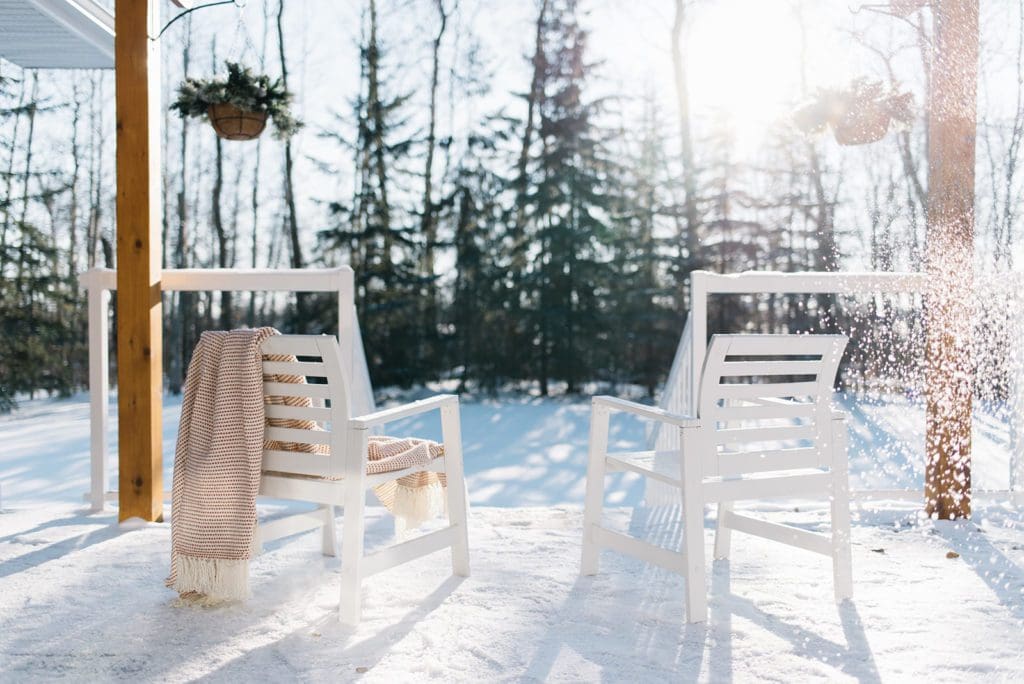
pixel 100 282
pixel 346 315
pixel 1013 306
pixel 1015 418
pixel 1015 390
pixel 99 387
pixel 699 330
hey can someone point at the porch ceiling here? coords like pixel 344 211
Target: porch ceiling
pixel 57 34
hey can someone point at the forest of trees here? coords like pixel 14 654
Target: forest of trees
pixel 538 233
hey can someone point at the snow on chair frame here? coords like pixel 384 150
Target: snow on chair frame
pixel 340 476
pixel 764 428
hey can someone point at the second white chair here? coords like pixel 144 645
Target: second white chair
pixel 764 428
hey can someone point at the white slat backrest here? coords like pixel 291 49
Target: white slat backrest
pixel 315 377
pixel 765 402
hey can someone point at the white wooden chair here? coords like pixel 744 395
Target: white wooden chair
pixel 764 428
pixel 340 477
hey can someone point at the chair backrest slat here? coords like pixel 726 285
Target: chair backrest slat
pixel 295 345
pixel 293 462
pixel 766 390
pixel 297 435
pixel 744 462
pixel 306 405
pixel 315 413
pixel 295 389
pixel 307 369
pixel 765 402
pixel 763 434
pixel 766 410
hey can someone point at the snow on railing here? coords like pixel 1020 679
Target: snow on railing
pixel 1000 298
pixel 682 385
pixel 101 281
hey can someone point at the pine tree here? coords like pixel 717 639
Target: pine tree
pixel 481 344
pixel 570 202
pixel 645 325
pixel 41 336
pixel 371 229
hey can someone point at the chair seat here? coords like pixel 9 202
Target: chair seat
pixel 664 466
pixel 371 471
pixel 372 477
pixel 659 465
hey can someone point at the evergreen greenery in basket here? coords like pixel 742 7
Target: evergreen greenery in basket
pixel 239 104
pixel 858 114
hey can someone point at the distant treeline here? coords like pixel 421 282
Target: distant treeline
pixel 549 242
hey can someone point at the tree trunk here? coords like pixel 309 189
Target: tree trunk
pixel 291 218
pixel 26 177
pixel 183 340
pixel 521 181
pixel 217 219
pixel 679 66
pixel 950 246
pixel 76 172
pixel 428 224
pixel 9 177
pixel 254 205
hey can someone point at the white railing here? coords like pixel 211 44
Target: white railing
pixel 100 282
pixel 677 398
pixel 682 386
pixel 705 283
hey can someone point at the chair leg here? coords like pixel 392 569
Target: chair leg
pixel 842 562
pixel 594 500
pixel 353 528
pixel 330 533
pixel 458 506
pixel 693 530
pixel 723 534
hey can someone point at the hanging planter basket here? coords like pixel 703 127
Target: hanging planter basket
pixel 904 8
pixel 858 115
pixel 232 123
pixel 862 126
pixel 238 105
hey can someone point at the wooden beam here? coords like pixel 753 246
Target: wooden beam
pixel 139 341
pixel 952 128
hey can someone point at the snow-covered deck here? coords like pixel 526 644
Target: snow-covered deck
pixel 83 599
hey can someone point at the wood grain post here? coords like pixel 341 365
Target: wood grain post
pixel 139 343
pixel 952 126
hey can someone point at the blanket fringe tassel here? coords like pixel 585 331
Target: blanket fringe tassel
pixel 209 581
pixel 413 506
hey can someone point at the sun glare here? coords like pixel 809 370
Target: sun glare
pixel 747 64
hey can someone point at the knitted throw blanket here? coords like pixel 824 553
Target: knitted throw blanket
pixel 217 467
pixel 412 499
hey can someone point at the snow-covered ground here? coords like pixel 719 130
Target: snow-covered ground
pixel 82 598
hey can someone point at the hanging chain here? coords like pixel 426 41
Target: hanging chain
pixel 240 4
pixel 242 36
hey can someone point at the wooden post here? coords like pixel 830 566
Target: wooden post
pixel 952 128
pixel 139 333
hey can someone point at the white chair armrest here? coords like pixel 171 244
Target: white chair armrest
pixel 403 411
pixel 644 411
